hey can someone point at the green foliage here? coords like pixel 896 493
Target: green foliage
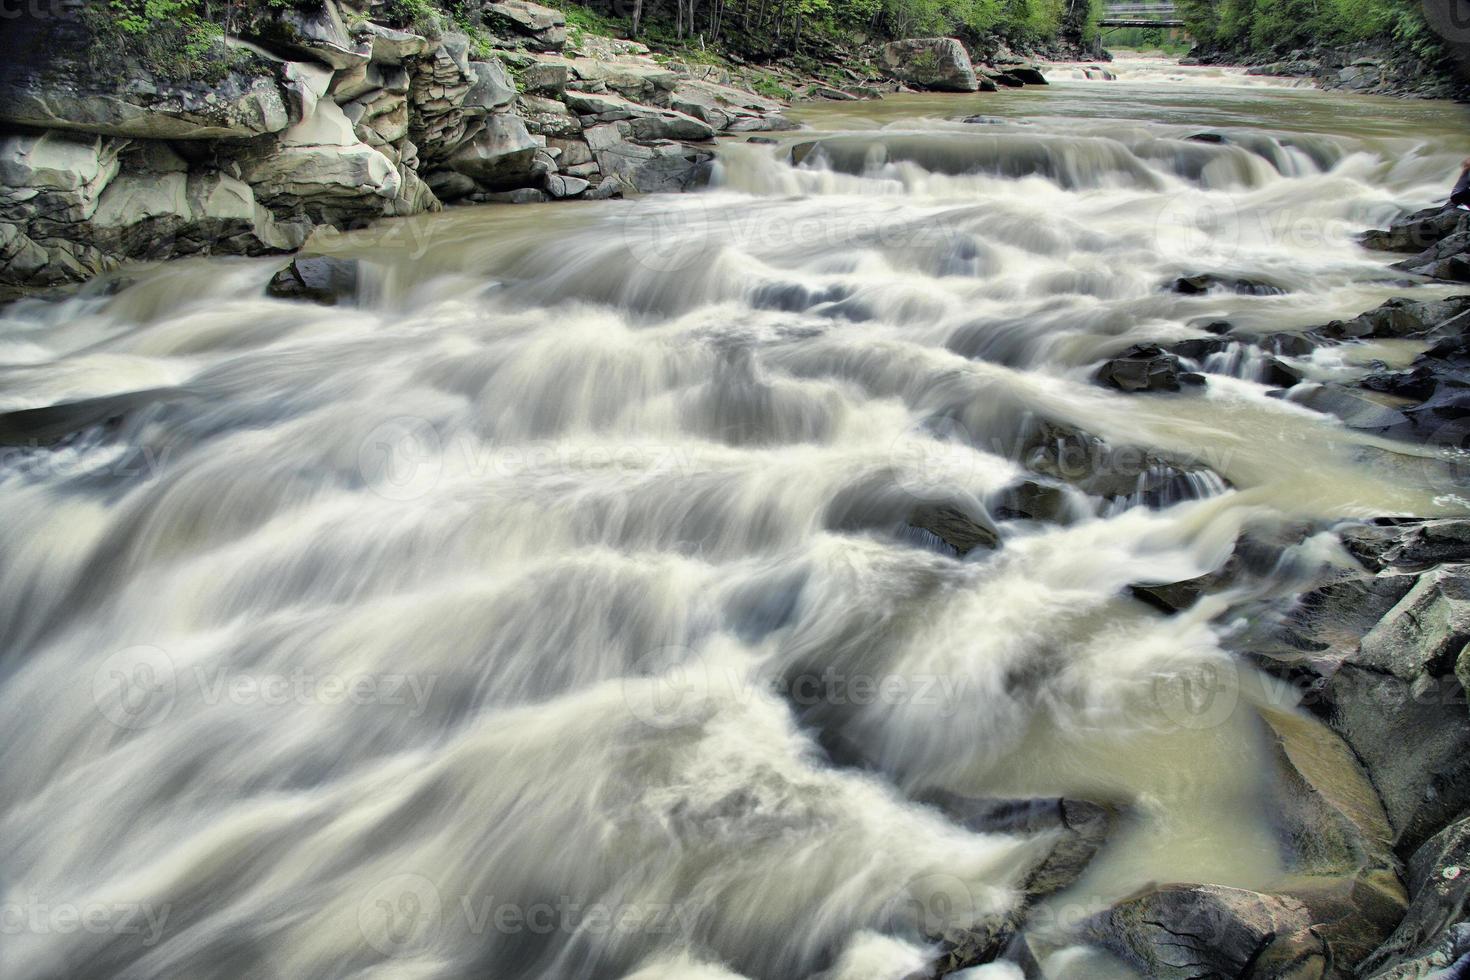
pixel 772 89
pixel 1279 25
pixel 179 39
pixel 1158 39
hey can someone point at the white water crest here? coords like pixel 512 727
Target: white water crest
pixel 559 609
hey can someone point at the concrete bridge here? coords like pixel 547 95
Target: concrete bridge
pixel 1140 14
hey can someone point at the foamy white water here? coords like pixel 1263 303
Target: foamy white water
pixel 557 611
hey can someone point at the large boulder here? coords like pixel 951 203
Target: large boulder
pixel 526 24
pixel 61 94
pixel 319 166
pixel 937 63
pixel 390 47
pixel 492 87
pixel 646 167
pixel 439 84
pixel 1145 367
pixel 725 108
pixel 1434 934
pixel 645 122
pixel 51 184
pixel 1188 931
pixel 312 29
pixel 167 215
pixel 502 156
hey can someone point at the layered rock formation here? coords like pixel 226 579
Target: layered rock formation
pixel 326 113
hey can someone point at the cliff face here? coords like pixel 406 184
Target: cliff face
pixel 317 113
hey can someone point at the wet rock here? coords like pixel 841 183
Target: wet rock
pixel 1215 138
pixel 1030 500
pixel 1204 283
pixel 54 424
pixel 940 64
pixel 1084 826
pixel 1028 74
pixel 1418 231
pixel 1357 409
pixel 1433 935
pixel 647 167
pixel 1376 655
pixel 1185 931
pixel 1145 367
pixel 561 186
pixel 1116 473
pixel 318 279
pixel 520 195
pixel 1397 317
pixel 1426 631
pixel 1408 546
pixel 1171 597
pixel 993 80
pixel 1278 373
pixel 1199 348
pixel 1414 740
pixel 956 529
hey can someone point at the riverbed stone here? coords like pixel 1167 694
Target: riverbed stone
pixel 322 279
pixel 1146 367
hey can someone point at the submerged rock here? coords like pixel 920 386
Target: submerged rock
pixel 955 528
pixel 319 278
pixel 1084 825
pixel 1205 282
pixel 1146 367
pixel 1128 473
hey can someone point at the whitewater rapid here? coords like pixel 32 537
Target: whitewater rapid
pixel 556 609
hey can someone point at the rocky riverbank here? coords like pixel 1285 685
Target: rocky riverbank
pixel 1370 68
pixel 1375 644
pixel 339 113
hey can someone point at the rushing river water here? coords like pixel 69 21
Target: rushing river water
pixel 555 610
